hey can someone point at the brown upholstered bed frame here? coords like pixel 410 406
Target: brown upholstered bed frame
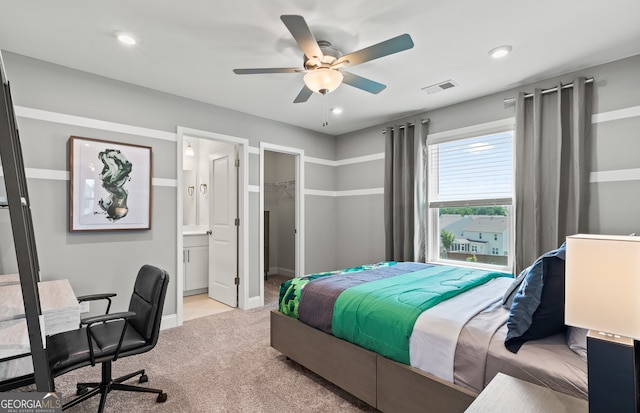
pixel 382 383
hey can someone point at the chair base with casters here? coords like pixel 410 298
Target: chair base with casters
pixel 105 338
pixel 107 384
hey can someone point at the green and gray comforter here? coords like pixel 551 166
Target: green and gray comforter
pixel 376 306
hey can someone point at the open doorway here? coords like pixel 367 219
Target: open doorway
pixel 212 216
pixel 210 209
pixel 279 214
pixel 281 211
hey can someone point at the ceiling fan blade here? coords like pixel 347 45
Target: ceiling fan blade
pixel 304 95
pixel 267 70
pixel 362 83
pixel 301 32
pixel 391 46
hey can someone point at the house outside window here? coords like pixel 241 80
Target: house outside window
pixel 470 181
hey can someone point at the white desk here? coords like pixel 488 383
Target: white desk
pixel 9 279
pixel 60 311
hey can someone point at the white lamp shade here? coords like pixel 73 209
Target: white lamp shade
pixel 602 284
pixel 323 80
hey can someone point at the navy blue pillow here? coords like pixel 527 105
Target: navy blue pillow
pixel 538 306
pixel 507 299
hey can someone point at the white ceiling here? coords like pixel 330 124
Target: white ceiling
pixel 189 48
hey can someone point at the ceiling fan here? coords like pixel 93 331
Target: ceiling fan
pixel 323 63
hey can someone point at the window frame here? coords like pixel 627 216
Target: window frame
pixel 433 231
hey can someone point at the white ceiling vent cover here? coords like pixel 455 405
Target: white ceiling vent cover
pixel 439 87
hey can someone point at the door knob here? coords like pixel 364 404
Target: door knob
pixel 209 232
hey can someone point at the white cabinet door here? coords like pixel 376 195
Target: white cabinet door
pixel 196 273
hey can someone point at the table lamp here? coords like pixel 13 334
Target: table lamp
pixel 602 294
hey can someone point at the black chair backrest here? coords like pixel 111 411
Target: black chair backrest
pixel 147 301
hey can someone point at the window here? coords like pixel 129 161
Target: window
pixel 470 187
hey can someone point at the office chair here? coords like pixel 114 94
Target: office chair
pixel 105 338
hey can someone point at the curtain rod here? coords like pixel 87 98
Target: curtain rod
pixel 422 122
pixel 545 91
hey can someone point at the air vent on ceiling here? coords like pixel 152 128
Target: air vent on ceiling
pixel 439 87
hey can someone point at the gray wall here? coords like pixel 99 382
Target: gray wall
pixel 613 205
pixel 342 228
pixel 108 261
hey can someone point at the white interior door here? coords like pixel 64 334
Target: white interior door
pixel 223 230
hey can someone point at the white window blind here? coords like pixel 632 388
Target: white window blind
pixel 472 171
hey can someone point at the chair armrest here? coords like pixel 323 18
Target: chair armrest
pixel 95 297
pixel 88 321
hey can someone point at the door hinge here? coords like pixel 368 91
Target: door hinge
pixel 237 280
pixel 237 222
pixel 237 162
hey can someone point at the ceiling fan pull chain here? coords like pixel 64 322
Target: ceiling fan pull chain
pixel 325 114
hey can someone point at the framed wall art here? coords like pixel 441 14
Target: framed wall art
pixel 110 185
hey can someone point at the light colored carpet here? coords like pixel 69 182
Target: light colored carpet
pixel 219 363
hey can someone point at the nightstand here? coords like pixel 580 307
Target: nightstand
pixel 506 394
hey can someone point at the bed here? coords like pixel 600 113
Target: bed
pixel 444 371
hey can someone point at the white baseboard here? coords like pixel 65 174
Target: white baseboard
pixel 287 272
pixel 282 271
pixel 169 321
pixel 253 302
pixel 195 292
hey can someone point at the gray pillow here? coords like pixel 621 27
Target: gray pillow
pixel 577 341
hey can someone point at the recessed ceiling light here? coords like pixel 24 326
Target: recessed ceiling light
pixel 336 111
pixel 500 51
pixel 126 39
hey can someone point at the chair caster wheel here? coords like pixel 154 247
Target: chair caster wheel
pixel 162 397
pixel 143 379
pixel 81 391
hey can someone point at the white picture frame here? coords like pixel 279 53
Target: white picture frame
pixel 110 185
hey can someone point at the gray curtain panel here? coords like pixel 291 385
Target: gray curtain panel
pixel 405 193
pixel 421 197
pixel 553 133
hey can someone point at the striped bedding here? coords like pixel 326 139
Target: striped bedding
pixel 355 304
pixel 460 340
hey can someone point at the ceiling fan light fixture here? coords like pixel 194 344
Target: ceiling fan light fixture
pixel 323 80
pixel 322 62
